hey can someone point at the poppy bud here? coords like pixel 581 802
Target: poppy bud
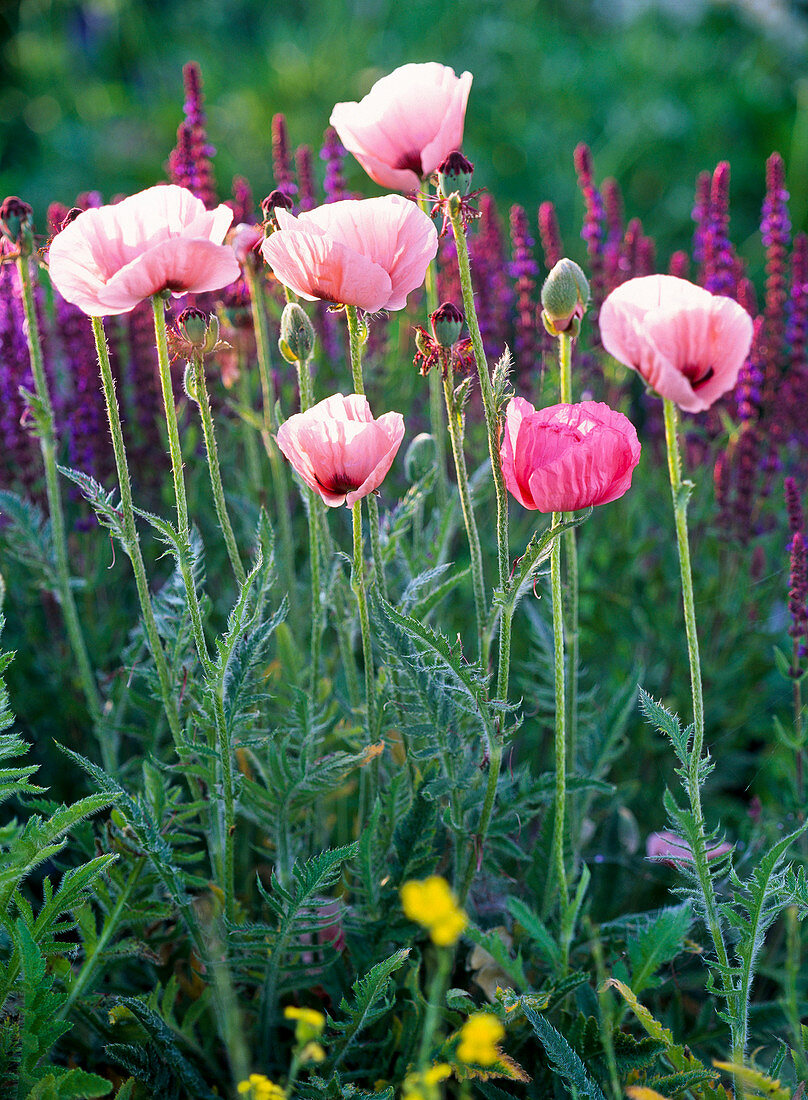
pixel 269 205
pixel 454 175
pixel 297 334
pixel 446 323
pixel 564 297
pixel 16 217
pixel 420 457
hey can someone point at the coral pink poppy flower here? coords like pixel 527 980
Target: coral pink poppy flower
pixel 688 344
pixel 339 450
pixel 369 253
pixel 567 457
pixel 667 847
pixel 110 258
pixel 407 123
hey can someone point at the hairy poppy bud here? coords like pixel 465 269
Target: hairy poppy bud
pixel 454 175
pixel 446 323
pixel 297 334
pixel 564 297
pixel 270 204
pixel 420 457
pixel 16 217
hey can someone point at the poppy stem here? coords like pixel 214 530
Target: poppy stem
pixel 455 418
pixel 213 674
pixel 355 340
pixel 571 547
pixel 435 410
pixel 560 738
pixel 279 484
pixel 680 492
pixel 175 451
pixel 313 511
pixel 132 541
pixel 358 585
pixel 200 390
pixel 47 445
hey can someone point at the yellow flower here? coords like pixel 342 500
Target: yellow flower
pixel 309 1022
pixel 478 1039
pixel 422 1086
pixel 259 1087
pixel 312 1052
pixel 431 903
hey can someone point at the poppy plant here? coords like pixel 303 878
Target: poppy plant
pixel 406 124
pixel 567 457
pixel 368 253
pixel 688 344
pixel 108 259
pixel 338 448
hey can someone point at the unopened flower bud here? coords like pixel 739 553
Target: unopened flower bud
pixel 564 297
pixel 454 174
pixel 16 217
pixel 420 457
pixel 297 334
pixel 199 331
pixel 446 323
pixel 70 216
pixel 245 240
pixel 270 204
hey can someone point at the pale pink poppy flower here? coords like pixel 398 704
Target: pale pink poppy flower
pixel 339 450
pixel 567 457
pixel 688 344
pixel 666 847
pixel 407 123
pixel 112 257
pixel 245 240
pixel 369 253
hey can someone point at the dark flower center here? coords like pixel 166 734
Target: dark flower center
pixel 412 161
pixel 338 484
pixel 690 373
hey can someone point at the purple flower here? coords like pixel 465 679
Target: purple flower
pixel 281 159
pixel 593 231
pixel 305 177
pixel 523 270
pixel 189 165
pixel 333 154
pixel 550 235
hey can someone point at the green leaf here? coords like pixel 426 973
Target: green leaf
pixel 369 1002
pixel 562 1058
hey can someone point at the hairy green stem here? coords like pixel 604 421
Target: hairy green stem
pixel 175 451
pixel 435 410
pixel 455 419
pixel 201 391
pixel 571 556
pixel 277 469
pixel 195 610
pixel 313 508
pixel 358 585
pixel 251 453
pixel 680 491
pixel 434 1002
pixel 486 391
pixel 47 445
pixel 355 342
pixel 131 536
pixel 560 734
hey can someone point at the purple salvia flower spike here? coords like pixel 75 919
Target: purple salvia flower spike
pixel 305 177
pixel 524 270
pixel 612 249
pixel 701 215
pixel 550 235
pixel 281 160
pixel 333 153
pixel 592 231
pixel 719 255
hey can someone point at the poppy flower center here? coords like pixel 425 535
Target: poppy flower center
pixel 691 373
pixel 411 161
pixel 338 484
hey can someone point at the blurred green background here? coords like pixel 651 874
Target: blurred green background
pixel 91 92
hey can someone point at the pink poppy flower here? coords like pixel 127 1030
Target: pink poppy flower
pixel 666 847
pixel 369 253
pixel 567 457
pixel 112 257
pixel 407 123
pixel 688 344
pixel 339 450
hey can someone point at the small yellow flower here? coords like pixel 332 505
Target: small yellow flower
pixel 259 1087
pixel 309 1023
pixel 478 1039
pixel 431 903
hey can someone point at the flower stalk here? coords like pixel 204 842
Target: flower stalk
pixel 435 410
pixel 200 393
pixel 360 590
pixel 132 540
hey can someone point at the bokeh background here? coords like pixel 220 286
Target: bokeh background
pixel 91 92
